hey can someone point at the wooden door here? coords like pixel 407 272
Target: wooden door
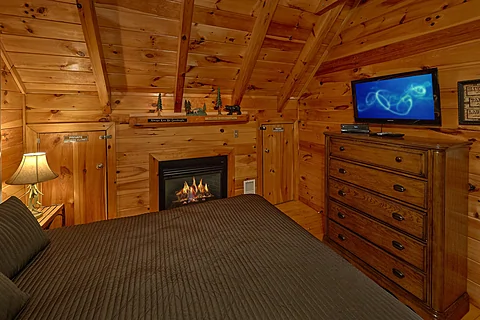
pixel 80 159
pixel 278 162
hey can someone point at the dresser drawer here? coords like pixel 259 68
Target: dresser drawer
pixel 388 239
pixel 390 212
pixel 395 270
pixel 410 161
pixel 399 187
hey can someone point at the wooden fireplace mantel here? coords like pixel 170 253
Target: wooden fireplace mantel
pixel 180 154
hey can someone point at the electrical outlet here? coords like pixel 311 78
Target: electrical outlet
pixel 235 133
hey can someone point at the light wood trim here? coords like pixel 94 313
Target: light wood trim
pixel 259 183
pixel 330 45
pixel 11 67
pixel 314 42
pixel 296 158
pixel 153 184
pixel 24 121
pixel 176 154
pixel 31 142
pixel 70 127
pixel 88 17
pixel 253 49
pixel 111 173
pixel 182 53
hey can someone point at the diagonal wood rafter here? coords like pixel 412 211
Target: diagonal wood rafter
pixel 327 51
pixel 186 18
pixel 11 67
pixel 88 18
pixel 253 49
pixel 311 48
pixel 327 5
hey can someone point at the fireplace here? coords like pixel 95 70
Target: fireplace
pixel 190 181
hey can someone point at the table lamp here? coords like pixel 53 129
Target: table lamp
pixel 32 170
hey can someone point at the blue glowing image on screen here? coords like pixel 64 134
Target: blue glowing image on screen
pixel 401 98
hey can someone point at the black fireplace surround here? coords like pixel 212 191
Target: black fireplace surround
pixel 189 181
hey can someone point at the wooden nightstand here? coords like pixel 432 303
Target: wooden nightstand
pixel 50 213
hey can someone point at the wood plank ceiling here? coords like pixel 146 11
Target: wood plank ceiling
pixel 45 42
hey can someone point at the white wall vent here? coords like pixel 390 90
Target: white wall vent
pixel 249 186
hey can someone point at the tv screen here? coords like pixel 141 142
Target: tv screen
pixel 407 98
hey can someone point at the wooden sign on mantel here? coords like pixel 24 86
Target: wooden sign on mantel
pixel 138 121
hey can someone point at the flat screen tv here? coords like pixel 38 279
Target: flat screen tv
pixel 405 98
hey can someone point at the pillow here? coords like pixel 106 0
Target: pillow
pixel 12 299
pixel 21 237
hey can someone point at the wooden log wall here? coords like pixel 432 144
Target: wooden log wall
pixel 387 37
pixel 134 144
pixel 12 130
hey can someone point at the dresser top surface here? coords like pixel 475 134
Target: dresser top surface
pixel 407 140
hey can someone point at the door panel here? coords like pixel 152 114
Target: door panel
pixel 81 186
pixel 60 160
pixel 278 151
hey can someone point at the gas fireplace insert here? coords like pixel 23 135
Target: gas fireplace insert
pixel 189 181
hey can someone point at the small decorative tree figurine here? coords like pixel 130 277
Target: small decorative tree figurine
pixel 188 107
pixel 159 103
pixel 218 104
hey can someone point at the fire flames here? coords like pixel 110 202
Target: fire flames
pixel 193 193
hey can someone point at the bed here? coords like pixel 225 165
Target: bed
pixel 236 258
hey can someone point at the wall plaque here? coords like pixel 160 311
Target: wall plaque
pixel 168 120
pixel 70 139
pixel 469 102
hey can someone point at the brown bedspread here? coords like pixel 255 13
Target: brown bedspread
pixel 237 258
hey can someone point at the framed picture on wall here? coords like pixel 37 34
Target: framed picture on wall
pixel 469 102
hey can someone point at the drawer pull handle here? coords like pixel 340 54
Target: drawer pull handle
pixel 341 215
pixel 342 171
pixel 397 216
pixel 342 193
pixel 397 245
pixel 342 237
pixel 399 188
pixel 342 148
pixel 398 273
pixel 398 159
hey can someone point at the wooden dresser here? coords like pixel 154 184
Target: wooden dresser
pixel 397 209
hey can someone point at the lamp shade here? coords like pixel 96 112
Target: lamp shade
pixel 33 169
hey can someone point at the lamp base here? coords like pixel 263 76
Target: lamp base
pixel 32 202
pixel 36 213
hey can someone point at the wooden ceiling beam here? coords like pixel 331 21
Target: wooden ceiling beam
pixel 314 43
pixel 88 18
pixel 253 49
pixel 330 45
pixel 327 5
pixel 186 18
pixel 11 67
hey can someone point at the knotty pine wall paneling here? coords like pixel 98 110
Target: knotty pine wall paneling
pixel 12 131
pixel 430 34
pixel 135 144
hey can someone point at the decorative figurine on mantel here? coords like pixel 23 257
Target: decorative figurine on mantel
pixel 233 109
pixel 195 112
pixel 218 104
pixel 188 107
pixel 159 104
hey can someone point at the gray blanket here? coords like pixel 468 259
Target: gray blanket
pixel 237 258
